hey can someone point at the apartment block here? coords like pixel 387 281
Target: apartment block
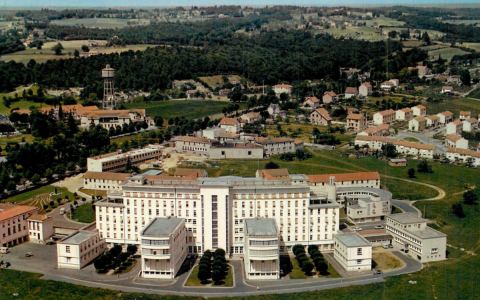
pixel 114 162
pixel 14 223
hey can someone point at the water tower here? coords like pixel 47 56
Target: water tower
pixel 109 101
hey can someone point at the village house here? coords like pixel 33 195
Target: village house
pixel 455 141
pixel 282 88
pixel 275 111
pixel 417 124
pixel 395 82
pixel 373 142
pixel 447 90
pixel 384 117
pixel 387 86
pixel 365 89
pixel 329 97
pixel 464 115
pixel 404 114
pixel 470 125
pixel 356 122
pixel 351 92
pixel 320 116
pixel 445 117
pixel 433 121
pixel 419 111
pixel 455 127
pixel 422 71
pixel 311 103
pixel 380 130
pixel 251 117
pixel 462 155
pixel 415 149
pixel 230 125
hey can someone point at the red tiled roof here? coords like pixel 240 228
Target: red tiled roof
pixel 228 121
pixel 106 175
pixel 355 116
pixel 324 113
pixel 344 177
pixel 330 93
pixel 15 211
pixel 350 90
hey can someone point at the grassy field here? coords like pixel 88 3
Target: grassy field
pixel 446 53
pixel 22 104
pixel 99 22
pixel 16 139
pixel 190 109
pixel 383 21
pixel 386 261
pixel 465 22
pixel 43 190
pixel 474 46
pixel 361 33
pixel 194 281
pixel 85 213
pixel 455 106
pixel 46 53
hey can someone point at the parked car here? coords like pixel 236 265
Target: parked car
pixel 28 254
pixel 7 264
pixel 4 250
pixel 377 272
pixel 357 229
pixel 385 246
pixel 390 246
pixel 379 227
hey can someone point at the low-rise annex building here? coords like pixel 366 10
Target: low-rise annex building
pixel 104 181
pixel 413 235
pixel 80 248
pixel 367 204
pixel 353 252
pixel 261 252
pixel 380 130
pixel 163 247
pixel 40 228
pixel 113 162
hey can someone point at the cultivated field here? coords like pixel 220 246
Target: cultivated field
pixel 465 22
pixel 46 53
pixel 383 21
pixel 446 53
pixel 361 33
pixel 217 80
pixel 101 22
pixel 190 109
pixel 474 46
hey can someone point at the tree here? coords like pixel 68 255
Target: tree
pixel 52 203
pixel 60 169
pixel 322 267
pixel 85 48
pixel 76 53
pixel 272 165
pixel 424 167
pixel 465 77
pixel 392 34
pixel 457 209
pixel 469 197
pixel 411 173
pixel 11 186
pixel 71 166
pixel 389 150
pixel 217 275
pixel 100 263
pixel 58 49
pixel 307 267
pixel 48 173
pixel 132 249
pixel 203 274
pixel 426 38
pixel 36 178
pixel 45 206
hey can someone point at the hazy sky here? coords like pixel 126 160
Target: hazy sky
pixel 113 3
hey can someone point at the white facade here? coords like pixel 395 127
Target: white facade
pixel 445 117
pixel 261 254
pixel 113 162
pixel 163 247
pixel 412 234
pixel 367 204
pixel 417 124
pixel 40 228
pixel 404 114
pixel 80 248
pixel 353 252
pixel 104 181
pixel 455 141
pixel 463 155
pixel 282 88
pixel 454 127
pixel 470 125
pixel 384 117
pixel 419 111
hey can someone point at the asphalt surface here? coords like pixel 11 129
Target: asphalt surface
pixel 406 206
pixel 426 138
pixel 44 261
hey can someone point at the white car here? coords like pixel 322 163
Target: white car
pixel 357 229
pixel 379 227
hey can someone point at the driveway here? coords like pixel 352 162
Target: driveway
pixel 407 206
pixel 425 138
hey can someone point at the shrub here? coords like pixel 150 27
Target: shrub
pixel 312 248
pixel 322 267
pixel 307 267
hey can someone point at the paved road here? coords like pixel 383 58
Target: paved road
pixel 44 261
pixel 426 138
pixel 406 206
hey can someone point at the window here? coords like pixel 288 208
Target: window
pixel 67 249
pixel 359 251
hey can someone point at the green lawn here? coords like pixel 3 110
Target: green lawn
pixel 111 23
pixel 296 272
pixel 85 213
pixel 446 53
pixel 194 281
pixel 190 109
pixel 22 104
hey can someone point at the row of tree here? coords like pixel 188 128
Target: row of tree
pixel 213 266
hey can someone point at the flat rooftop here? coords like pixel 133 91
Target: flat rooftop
pixel 406 218
pixel 78 237
pixel 352 239
pixel 161 226
pixel 426 233
pixel 116 155
pixel 261 227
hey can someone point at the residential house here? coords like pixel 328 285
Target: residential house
pixel 329 97
pixel 356 122
pixel 445 117
pixel 464 115
pixel 470 125
pixel 419 111
pixel 455 141
pixel 387 86
pixel 395 82
pixel 384 117
pixel 455 127
pixel 447 90
pixel 275 111
pixel 320 116
pixel 351 92
pixel 365 89
pixel 433 121
pixel 251 117
pixel 463 155
pixel 380 130
pixel 417 124
pixel 282 88
pixel 230 125
pixel 416 149
pixel 404 114
pixel 373 142
pixel 311 103
pixel 412 235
